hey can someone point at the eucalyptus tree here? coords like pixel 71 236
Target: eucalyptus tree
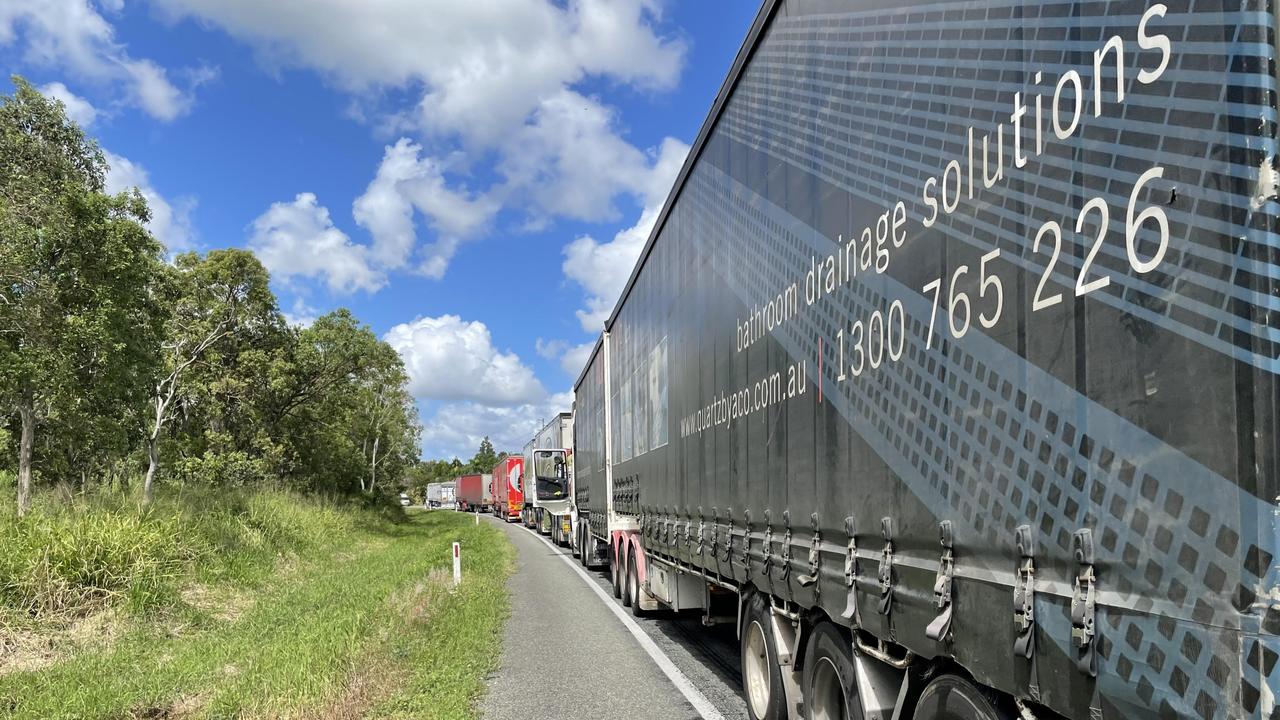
pixel 215 300
pixel 79 310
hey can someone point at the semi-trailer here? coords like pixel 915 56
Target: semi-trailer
pixel 948 373
pixel 441 494
pixel 475 492
pixel 548 460
pixel 508 488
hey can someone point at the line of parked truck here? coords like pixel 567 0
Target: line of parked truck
pixel 532 488
pixel 941 449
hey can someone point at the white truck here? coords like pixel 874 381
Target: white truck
pixel 548 461
pixel 441 495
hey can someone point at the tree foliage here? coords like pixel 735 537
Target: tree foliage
pixel 117 365
pixel 485 457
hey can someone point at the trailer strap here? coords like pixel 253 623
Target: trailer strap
pixel 940 628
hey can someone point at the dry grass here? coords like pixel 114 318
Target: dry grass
pixel 25 648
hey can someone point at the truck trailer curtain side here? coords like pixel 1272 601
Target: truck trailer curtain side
pixel 961 332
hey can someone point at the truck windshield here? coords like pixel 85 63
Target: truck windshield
pixel 551 473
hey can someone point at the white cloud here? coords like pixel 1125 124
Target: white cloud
pixel 572 357
pixel 482 65
pixel 575 358
pixel 569 161
pixel 297 239
pixel 301 314
pixel 451 359
pixel 490 81
pixel 81 111
pixel 71 35
pixel 602 269
pixel 170 222
pixel 455 429
pixel 406 181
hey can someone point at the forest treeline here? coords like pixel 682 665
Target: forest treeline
pixel 122 365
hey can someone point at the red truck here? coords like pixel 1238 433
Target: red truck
pixel 508 488
pixel 475 493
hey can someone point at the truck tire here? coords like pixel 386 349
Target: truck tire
pixel 614 575
pixel 761 676
pixel 952 697
pixel 633 586
pixel 829 684
pixel 624 570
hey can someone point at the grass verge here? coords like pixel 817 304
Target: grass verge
pixel 361 624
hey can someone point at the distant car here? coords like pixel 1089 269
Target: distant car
pixel 404 500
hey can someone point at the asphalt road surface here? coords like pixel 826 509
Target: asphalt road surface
pixel 568 655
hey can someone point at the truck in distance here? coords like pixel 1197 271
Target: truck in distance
pixel 474 492
pixel 508 488
pixel 548 461
pixel 441 494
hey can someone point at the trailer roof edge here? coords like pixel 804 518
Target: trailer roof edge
pixel 582 374
pixel 767 9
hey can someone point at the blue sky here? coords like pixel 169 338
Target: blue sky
pixel 473 178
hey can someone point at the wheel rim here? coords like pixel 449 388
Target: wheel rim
pixel 827 702
pixel 633 584
pixel 756 670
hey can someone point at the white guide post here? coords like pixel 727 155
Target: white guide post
pixel 457 564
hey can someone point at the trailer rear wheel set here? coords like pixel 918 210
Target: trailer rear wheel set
pixel 813 668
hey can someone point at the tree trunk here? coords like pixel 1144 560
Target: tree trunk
pixel 153 462
pixel 373 466
pixel 28 414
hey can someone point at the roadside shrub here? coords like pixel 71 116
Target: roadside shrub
pixel 70 562
pixel 70 558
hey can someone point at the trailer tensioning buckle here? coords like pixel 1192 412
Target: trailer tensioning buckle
pixel 851 575
pixel 815 555
pixel 1024 618
pixel 1083 602
pixel 940 628
pixel 886 567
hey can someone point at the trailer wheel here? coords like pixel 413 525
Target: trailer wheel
pixel 761 676
pixel 830 688
pixel 625 572
pixel 952 697
pixel 633 585
pixel 614 575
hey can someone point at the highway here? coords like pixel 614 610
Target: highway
pixel 665 667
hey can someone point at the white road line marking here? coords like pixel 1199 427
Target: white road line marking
pixel 668 668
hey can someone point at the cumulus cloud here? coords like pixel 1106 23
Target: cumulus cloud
pixel 572 358
pixel 170 222
pixel 72 35
pixel 575 358
pixel 456 429
pixel 298 239
pixel 406 181
pixel 451 359
pixel 569 161
pixel 602 269
pixel 301 314
pixel 482 66
pixel 81 111
pixel 490 82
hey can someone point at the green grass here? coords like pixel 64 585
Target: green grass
pixel 360 623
